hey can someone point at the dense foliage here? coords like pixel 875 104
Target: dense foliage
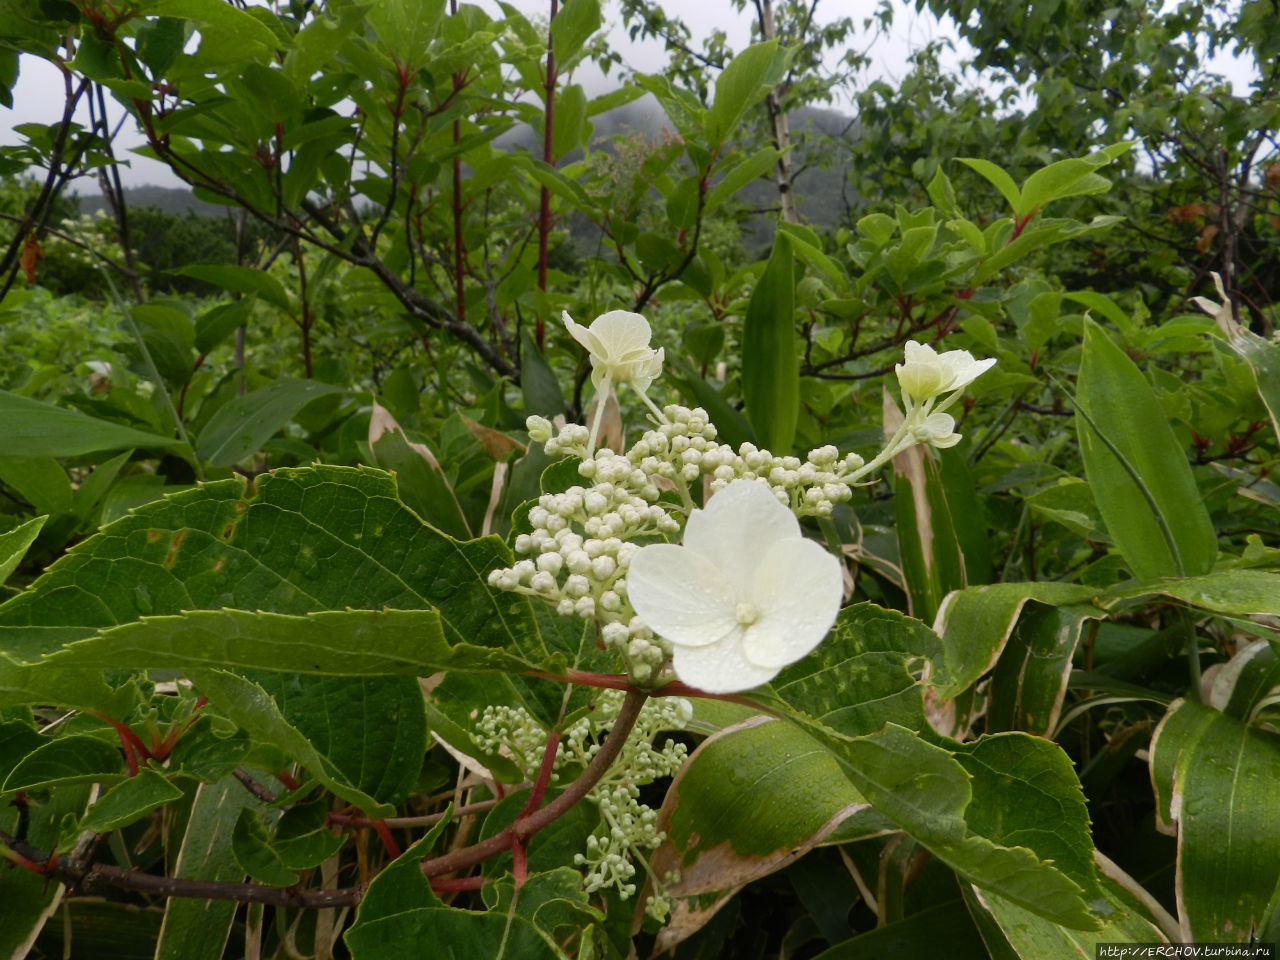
pixel 323 630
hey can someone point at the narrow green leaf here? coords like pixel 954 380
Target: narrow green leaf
pixel 332 643
pixel 742 83
pixel 926 791
pixel 244 280
pixel 1035 938
pixel 573 25
pixel 243 425
pixel 1215 784
pixel 1030 679
pixel 996 177
pixel 217 546
pixel 130 800
pixel 78 758
pixel 15 543
pixel 33 429
pixel 1139 474
pixel 770 371
pixel 976 623
pixel 198 929
pixel 744 172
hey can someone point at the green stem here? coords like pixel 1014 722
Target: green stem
pixel 602 400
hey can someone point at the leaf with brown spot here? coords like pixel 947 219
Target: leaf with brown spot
pixel 750 800
pixel 495 443
pixel 31 252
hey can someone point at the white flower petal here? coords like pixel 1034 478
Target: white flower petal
pixel 964 369
pixel 622 332
pixel 576 330
pixel 738 525
pixel 681 595
pixel 721 668
pixel 798 590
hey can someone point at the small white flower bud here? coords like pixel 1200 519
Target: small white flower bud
pixel 543 582
pixel 550 563
pixel 603 566
pixel 539 429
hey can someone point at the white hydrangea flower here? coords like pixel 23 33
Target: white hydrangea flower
pixel 927 373
pixel 937 429
pixel 743 597
pixel 618 342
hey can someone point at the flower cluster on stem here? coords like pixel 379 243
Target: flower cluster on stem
pixel 628 832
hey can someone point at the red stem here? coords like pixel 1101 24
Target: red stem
pixel 388 841
pixel 451 884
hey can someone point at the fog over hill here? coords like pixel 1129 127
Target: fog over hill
pixel 820 186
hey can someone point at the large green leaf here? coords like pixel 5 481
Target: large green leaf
pixel 747 802
pixel 252 708
pixel 1215 781
pixel 243 425
pixel 864 674
pixel 1035 938
pixel 240 279
pixel 305 540
pixel 373 729
pixel 927 791
pixel 770 371
pixel 572 26
pixel 1137 471
pixel 34 429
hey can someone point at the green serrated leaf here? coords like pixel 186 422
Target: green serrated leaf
pixel 63 761
pixel 130 800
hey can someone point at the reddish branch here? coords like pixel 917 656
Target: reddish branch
pixel 90 878
pixel 526 826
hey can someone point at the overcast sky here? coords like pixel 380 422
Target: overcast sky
pixel 38 94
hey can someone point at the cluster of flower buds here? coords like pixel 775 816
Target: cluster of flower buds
pixel 628 828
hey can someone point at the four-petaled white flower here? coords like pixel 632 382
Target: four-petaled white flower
pixel 744 596
pixel 618 342
pixel 927 373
